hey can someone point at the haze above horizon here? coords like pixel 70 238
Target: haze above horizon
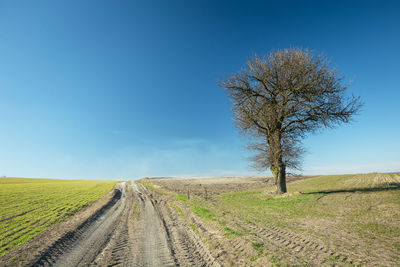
pixel 128 89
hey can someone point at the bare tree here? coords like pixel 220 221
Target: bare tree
pixel 280 98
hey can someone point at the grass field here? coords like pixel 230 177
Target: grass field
pixel 30 206
pixel 358 215
pixel 368 204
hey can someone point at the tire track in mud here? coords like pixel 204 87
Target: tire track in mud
pixel 80 247
pixel 186 244
pixel 134 229
pixel 296 249
pixel 120 254
pixel 177 244
pixel 284 245
pixel 151 240
pixel 118 251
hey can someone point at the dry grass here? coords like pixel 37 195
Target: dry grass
pixel 355 216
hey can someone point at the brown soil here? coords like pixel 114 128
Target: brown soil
pixel 213 186
pixel 163 239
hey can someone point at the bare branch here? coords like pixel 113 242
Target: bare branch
pixel 280 98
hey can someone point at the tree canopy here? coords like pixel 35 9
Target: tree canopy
pixel 278 99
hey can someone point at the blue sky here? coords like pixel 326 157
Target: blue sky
pixel 128 89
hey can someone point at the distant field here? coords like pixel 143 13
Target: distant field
pixel 30 206
pixel 325 220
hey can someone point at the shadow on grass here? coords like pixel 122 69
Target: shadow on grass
pixel 388 187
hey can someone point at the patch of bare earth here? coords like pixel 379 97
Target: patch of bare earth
pixel 208 187
pixel 164 239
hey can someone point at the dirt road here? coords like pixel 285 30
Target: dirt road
pixel 136 230
pixel 150 243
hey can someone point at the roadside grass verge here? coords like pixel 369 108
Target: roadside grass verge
pixel 30 206
pixel 202 212
pixel 181 197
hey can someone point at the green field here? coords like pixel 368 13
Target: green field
pixel 30 206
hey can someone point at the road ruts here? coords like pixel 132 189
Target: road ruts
pixel 163 232
pixel 81 247
pixel 134 230
pixel 298 250
pixel 189 249
pixel 118 251
pixel 151 244
pixel 302 250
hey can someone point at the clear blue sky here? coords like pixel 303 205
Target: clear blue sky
pixel 127 89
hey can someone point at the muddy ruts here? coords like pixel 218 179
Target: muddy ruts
pixel 134 229
pixel 188 248
pixel 118 251
pixel 302 250
pixel 176 242
pixel 80 247
pixel 151 242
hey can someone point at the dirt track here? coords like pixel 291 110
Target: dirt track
pixel 134 230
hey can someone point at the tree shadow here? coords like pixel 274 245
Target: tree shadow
pixel 388 187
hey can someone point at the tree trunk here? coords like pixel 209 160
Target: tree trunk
pixel 278 167
pixel 275 172
pixel 281 180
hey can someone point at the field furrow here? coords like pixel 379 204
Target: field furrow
pixel 30 206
